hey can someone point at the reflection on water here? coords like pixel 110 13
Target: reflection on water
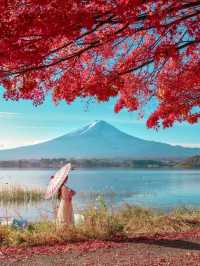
pixel 30 211
pixel 152 188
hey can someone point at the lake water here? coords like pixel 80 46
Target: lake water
pixel 164 189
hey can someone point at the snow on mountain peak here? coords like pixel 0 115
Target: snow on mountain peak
pixel 97 125
pixel 90 126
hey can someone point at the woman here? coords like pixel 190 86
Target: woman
pixel 65 215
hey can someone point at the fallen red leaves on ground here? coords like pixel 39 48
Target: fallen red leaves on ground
pixel 18 253
pixel 14 254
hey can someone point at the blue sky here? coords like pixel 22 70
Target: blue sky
pixel 22 123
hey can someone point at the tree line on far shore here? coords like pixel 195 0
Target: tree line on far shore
pixel 192 162
pixel 88 163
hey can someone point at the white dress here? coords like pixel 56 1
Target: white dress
pixel 65 214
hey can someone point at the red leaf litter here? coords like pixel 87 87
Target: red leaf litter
pixel 14 254
pixel 18 253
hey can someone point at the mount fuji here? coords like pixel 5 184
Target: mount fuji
pixel 98 140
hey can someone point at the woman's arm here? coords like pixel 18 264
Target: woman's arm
pixel 73 192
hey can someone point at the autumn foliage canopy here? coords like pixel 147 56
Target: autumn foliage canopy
pixel 135 50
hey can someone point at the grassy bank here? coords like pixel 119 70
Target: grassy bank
pixel 19 194
pixel 100 223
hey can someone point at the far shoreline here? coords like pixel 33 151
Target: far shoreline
pixel 192 163
pixel 101 168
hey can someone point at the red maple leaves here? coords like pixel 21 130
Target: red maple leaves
pixel 133 50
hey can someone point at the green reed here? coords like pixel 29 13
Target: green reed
pixel 15 194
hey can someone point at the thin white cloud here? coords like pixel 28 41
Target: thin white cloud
pixel 187 145
pixel 8 114
pixel 10 145
pixel 35 127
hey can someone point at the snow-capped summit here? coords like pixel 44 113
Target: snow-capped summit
pixel 98 127
pixel 98 139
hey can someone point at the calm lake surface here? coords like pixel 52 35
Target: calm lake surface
pixel 163 189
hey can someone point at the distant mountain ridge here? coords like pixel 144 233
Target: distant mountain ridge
pixel 190 163
pixel 98 140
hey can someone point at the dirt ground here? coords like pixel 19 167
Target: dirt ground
pixel 140 253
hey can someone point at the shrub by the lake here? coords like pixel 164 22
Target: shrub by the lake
pixel 18 194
